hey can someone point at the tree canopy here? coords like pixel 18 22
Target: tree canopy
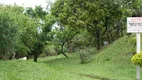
pixel 23 31
pixel 105 20
pixel 8 31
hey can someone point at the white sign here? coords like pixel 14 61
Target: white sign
pixel 134 25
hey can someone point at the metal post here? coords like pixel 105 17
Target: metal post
pixel 138 50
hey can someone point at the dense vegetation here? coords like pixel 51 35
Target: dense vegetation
pixel 24 34
pixel 104 20
pixel 84 31
pixel 69 26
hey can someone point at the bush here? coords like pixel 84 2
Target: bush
pixel 8 33
pixel 49 50
pixel 85 56
pixel 21 50
pixel 137 59
pixel 92 50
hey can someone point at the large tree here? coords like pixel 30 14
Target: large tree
pixel 43 22
pixel 8 29
pixel 104 19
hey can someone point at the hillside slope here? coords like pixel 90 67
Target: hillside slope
pixel 116 60
pixel 112 63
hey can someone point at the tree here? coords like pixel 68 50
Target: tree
pixel 62 36
pixel 105 20
pixel 8 30
pixel 43 22
pixel 26 35
pixel 137 8
pixel 23 34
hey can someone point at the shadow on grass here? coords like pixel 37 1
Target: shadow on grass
pixel 53 60
pixel 57 60
pixel 95 77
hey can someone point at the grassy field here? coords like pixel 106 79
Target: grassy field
pixel 112 63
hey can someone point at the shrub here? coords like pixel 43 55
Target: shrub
pixel 137 59
pixel 49 50
pixel 92 50
pixel 85 56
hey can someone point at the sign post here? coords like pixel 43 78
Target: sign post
pixel 134 25
pixel 138 50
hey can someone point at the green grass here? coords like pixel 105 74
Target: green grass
pixel 112 63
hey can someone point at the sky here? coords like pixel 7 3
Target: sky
pixel 26 3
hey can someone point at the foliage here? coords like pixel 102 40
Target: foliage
pixel 82 40
pixel 24 34
pixel 132 40
pixel 85 56
pixel 137 8
pixel 62 36
pixel 27 34
pixel 137 59
pixel 8 31
pixel 105 20
pixel 21 50
pixel 34 13
pixel 49 50
pixel 43 22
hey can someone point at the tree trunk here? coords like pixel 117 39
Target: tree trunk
pixel 98 41
pixel 65 55
pixel 62 50
pixel 35 58
pixel 117 32
pixel 98 44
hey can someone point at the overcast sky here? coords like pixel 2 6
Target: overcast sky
pixel 26 3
